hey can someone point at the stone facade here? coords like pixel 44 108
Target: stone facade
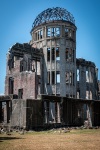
pixel 26 113
pixel 58 41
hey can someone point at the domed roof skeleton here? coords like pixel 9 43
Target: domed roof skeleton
pixel 51 14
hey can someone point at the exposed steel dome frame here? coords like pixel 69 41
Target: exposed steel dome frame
pixel 51 14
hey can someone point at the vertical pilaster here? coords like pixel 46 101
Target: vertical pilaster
pixel 58 113
pixel 8 112
pixel 1 112
pixel 82 81
pixel 62 68
pixel 89 115
pixel 46 105
pixel 45 112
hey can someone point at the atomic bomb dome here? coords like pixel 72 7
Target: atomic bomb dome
pixel 46 85
pixel 52 14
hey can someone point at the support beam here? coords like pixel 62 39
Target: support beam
pixel 8 111
pixel 45 112
pixel 89 115
pixel 58 113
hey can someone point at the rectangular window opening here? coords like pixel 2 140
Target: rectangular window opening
pixel 87 76
pixel 91 95
pixel 53 77
pixel 77 74
pixel 70 33
pixel 87 95
pixel 78 94
pixel 41 34
pixel 48 54
pixel 57 32
pixel 57 53
pixel 54 32
pixel 21 66
pixel 53 53
pixel 20 93
pixel 48 32
pixel 57 77
pixel 70 55
pixel 38 35
pixel 11 85
pixel 66 54
pixel 66 32
pixel 70 81
pixel 11 63
pixel 68 77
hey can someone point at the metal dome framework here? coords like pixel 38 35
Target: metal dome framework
pixel 51 14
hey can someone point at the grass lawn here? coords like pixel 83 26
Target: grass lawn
pixel 87 139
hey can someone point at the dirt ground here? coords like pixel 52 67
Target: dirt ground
pixel 88 139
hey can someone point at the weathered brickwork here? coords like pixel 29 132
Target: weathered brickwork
pixel 23 73
pixel 25 81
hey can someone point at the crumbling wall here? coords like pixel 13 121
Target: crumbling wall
pixel 34 114
pixel 23 72
pixel 86 79
pixel 25 81
pixel 18 114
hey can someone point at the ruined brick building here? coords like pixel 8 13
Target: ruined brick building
pixel 45 82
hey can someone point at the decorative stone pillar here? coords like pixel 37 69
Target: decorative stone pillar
pixel 6 112
pixel 46 106
pixel 89 115
pixel 58 113
pixel 52 112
